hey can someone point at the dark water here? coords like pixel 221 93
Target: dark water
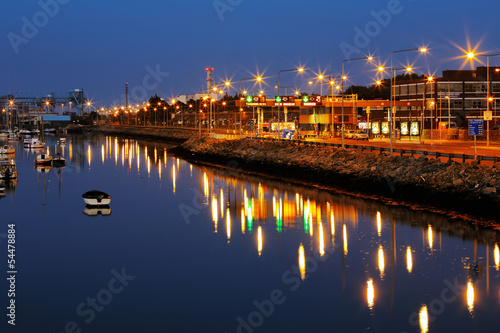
pixel 185 248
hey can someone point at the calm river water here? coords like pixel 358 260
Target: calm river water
pixel 184 248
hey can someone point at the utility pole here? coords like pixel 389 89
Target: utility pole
pixel 126 95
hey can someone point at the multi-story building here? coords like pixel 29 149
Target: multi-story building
pixel 454 97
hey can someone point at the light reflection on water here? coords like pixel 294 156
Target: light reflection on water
pixel 389 261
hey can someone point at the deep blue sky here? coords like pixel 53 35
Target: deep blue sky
pixel 100 45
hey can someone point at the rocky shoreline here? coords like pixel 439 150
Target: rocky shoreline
pixel 172 135
pixel 465 191
pixel 460 191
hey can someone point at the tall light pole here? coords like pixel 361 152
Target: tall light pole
pixel 332 85
pixel 423 50
pixel 300 70
pixel 471 56
pixel 258 79
pixel 343 79
pixel 408 70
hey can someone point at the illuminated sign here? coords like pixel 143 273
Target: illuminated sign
pixel 376 128
pixel 385 127
pixel 414 128
pixel 404 128
pixel 255 101
pixel 282 125
pixel 313 100
pixel 284 101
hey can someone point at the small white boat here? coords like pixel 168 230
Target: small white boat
pixel 14 137
pixel 50 130
pixel 43 159
pixel 24 132
pixel 7 149
pixel 96 198
pixel 4 134
pixel 62 141
pixel 33 143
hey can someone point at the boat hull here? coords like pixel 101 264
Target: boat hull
pixel 43 160
pixel 96 202
pixel 96 198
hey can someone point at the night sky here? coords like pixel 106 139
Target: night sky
pixel 163 47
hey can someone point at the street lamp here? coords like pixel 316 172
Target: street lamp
pixel 258 79
pixel 300 70
pixel 343 79
pixel 332 85
pixel 471 56
pixel 408 70
pixel 422 50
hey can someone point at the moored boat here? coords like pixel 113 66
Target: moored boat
pixel 8 170
pixel 43 159
pixel 33 143
pixel 96 198
pixel 24 132
pixel 7 149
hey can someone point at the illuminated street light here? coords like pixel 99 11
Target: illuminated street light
pixel 471 56
pixel 422 50
pixel 344 77
pixel 300 70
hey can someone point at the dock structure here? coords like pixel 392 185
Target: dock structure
pixel 21 105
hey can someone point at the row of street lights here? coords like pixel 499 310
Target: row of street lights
pixel 391 115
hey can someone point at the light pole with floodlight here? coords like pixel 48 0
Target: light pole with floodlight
pixel 343 79
pixel 422 50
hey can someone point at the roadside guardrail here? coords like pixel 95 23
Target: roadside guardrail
pixel 411 152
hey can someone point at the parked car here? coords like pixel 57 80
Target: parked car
pixel 349 134
pixel 361 135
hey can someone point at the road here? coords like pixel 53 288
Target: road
pixel 442 146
